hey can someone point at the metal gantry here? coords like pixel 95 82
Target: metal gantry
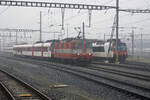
pixel 54 5
pixel 63 6
pixel 136 10
pixel 18 30
pixel 67 5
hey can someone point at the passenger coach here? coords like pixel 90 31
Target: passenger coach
pixel 74 50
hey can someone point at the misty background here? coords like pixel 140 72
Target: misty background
pixel 101 23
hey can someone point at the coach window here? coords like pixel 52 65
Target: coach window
pixel 67 45
pixel 52 46
pixel 74 45
pixel 57 45
pixel 70 45
pixel 30 49
pixel 62 45
pixel 45 49
pixel 36 48
pixel 80 45
pixel 40 48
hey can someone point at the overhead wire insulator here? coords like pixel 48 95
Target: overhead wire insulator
pixel 63 15
pixel 90 15
pixel 10 35
pixel 24 35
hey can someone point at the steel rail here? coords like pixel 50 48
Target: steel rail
pixel 137 63
pixel 40 94
pixel 131 66
pixel 102 79
pixel 8 93
pixel 97 78
pixel 120 72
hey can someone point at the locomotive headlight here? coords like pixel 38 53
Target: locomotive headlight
pixel 89 53
pixel 78 54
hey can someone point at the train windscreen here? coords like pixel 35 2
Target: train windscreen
pixel 121 47
pixel 88 44
pixel 98 49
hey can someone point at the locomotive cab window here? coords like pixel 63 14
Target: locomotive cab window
pixel 73 45
pixel 57 45
pixel 80 45
pixel 98 49
pixel 52 47
pixel 88 45
pixel 121 47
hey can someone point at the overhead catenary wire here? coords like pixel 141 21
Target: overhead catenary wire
pixel 77 14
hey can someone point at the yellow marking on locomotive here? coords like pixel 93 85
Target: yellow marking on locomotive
pixel 25 95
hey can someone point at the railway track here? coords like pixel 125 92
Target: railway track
pixel 129 73
pixel 140 66
pixel 131 83
pixel 138 63
pixel 111 79
pixel 16 89
pixel 4 93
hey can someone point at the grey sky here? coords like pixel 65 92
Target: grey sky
pixel 22 17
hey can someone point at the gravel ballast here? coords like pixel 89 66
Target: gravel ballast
pixel 79 88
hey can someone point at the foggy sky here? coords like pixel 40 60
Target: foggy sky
pixel 102 21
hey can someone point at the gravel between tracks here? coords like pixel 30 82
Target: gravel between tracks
pixel 2 95
pixel 42 78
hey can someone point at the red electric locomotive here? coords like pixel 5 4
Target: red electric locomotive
pixel 74 50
